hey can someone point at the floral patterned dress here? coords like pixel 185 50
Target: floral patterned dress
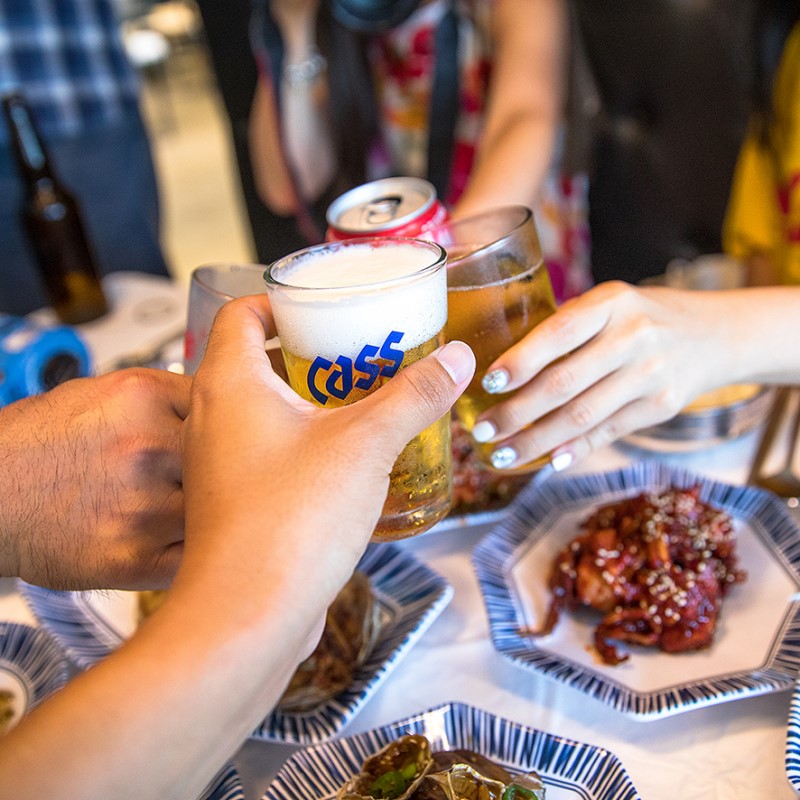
pixel 403 63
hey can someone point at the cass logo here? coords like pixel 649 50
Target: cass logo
pixel 340 378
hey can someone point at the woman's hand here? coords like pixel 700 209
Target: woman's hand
pixel 612 361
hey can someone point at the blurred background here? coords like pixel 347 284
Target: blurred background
pixel 203 212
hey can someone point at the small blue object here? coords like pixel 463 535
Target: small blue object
pixel 35 358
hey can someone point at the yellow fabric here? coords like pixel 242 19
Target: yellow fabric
pixel 763 215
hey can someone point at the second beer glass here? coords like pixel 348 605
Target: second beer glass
pixel 349 316
pixel 498 289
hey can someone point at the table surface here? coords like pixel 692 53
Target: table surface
pixel 733 750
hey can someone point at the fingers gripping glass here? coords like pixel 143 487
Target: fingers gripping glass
pixel 350 315
pixel 498 289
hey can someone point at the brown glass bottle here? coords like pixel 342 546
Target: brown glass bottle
pixel 54 225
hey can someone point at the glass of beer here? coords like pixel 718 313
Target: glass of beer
pixel 350 315
pixel 210 287
pixel 498 288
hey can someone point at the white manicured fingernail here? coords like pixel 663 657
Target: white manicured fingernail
pixel 495 381
pixel 483 431
pixel 560 461
pixel 503 457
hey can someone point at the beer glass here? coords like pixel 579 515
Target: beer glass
pixel 211 286
pixel 498 289
pixel 350 315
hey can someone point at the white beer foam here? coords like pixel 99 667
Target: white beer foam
pixel 334 321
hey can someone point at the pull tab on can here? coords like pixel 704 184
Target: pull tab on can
pixel 382 210
pixel 387 207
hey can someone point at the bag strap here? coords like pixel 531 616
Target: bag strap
pixel 443 111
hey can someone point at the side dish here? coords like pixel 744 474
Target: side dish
pixel 657 566
pixel 6 710
pixel 406 769
pixel 351 628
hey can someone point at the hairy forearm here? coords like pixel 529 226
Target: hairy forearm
pixel 13 469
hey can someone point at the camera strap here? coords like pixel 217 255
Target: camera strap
pixel 443 111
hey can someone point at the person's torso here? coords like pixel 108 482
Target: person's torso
pixel 404 63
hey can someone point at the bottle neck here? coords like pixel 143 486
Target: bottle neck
pixel 26 142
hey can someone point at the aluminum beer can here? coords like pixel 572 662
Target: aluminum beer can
pixel 35 358
pixel 387 207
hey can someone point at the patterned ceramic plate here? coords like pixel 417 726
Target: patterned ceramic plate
pixel 91 624
pixel 32 667
pixel 756 648
pixel 569 769
pixel 226 786
pixel 793 740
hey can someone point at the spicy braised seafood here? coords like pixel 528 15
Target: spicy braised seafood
pixel 406 769
pixel 657 566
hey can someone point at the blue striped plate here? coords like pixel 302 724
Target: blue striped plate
pixel 411 595
pixel 793 739
pixel 32 666
pixel 569 769
pixel 227 785
pixel 756 648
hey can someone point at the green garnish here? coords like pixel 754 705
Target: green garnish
pixel 514 792
pixel 391 785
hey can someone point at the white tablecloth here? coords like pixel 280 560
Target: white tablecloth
pixel 733 750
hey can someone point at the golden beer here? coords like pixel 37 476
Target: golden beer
pixel 344 332
pixel 498 290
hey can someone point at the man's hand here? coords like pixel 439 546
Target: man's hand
pixel 90 482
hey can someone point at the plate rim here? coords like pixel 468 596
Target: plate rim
pixel 226 785
pixel 792 743
pixel 22 647
pixel 546 745
pixel 495 551
pixel 89 639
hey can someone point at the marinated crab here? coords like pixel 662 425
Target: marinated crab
pixel 463 782
pixel 406 770
pixel 393 773
pixel 658 567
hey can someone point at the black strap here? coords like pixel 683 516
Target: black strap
pixel 443 110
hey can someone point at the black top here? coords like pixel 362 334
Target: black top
pixel 673 83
